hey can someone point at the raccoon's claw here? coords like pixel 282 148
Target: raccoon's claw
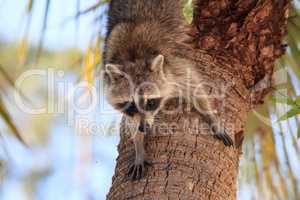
pixel 225 138
pixel 138 171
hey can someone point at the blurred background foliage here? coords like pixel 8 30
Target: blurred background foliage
pixel 60 164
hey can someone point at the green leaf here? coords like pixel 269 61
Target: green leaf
pixel 297 100
pixel 287 100
pixel 291 113
pixel 298 133
pixel 188 10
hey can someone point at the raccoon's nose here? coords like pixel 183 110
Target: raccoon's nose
pixel 144 127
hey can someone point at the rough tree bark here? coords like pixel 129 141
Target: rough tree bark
pixel 235 43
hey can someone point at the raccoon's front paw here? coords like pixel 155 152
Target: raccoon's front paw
pixel 223 136
pixel 138 170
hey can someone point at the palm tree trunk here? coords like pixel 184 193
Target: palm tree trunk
pixel 239 42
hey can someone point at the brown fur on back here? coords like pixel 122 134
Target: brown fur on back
pixel 138 11
pixel 142 29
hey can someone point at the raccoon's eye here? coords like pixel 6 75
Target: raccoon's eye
pixel 152 104
pixel 129 108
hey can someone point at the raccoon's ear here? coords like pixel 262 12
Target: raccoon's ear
pixel 157 63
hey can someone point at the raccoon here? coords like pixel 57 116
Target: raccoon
pixel 142 69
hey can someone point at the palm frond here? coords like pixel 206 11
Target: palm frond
pixel 8 120
pixel 43 32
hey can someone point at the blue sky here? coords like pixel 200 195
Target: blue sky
pixel 61 154
pixel 59 34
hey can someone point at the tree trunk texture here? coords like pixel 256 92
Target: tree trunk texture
pixel 235 44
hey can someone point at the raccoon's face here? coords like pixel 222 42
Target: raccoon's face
pixel 137 89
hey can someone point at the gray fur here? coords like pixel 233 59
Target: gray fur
pixel 141 62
